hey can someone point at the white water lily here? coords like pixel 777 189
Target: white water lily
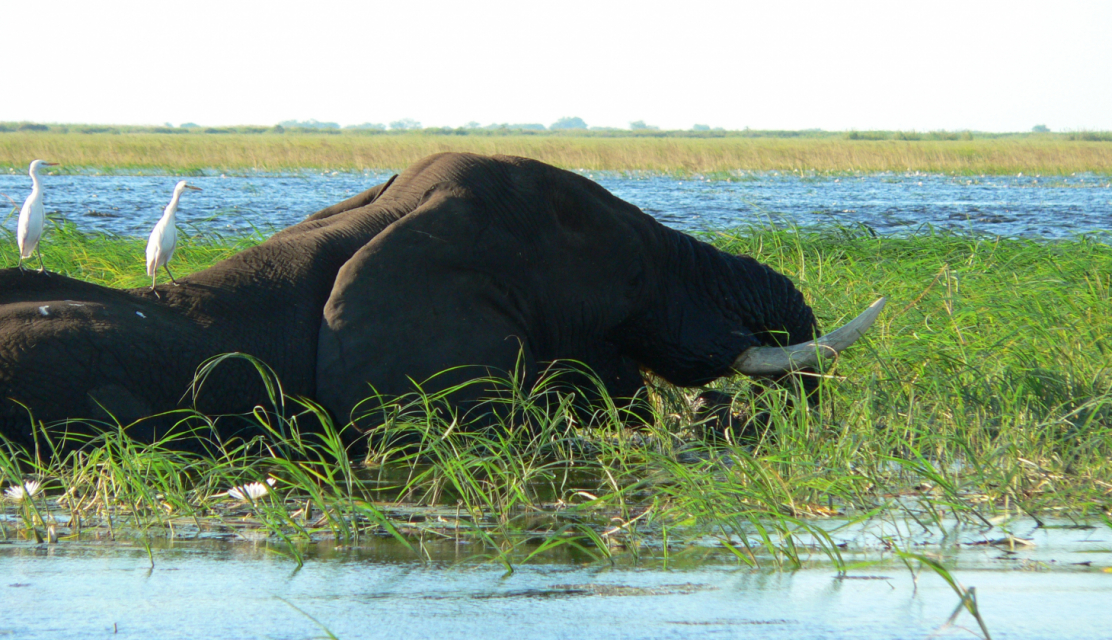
pixel 18 492
pixel 252 490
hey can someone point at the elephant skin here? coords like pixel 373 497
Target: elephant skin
pixel 71 349
pixel 512 264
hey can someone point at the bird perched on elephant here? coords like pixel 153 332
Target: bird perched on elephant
pixel 463 262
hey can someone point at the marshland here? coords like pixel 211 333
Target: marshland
pixel 686 152
pixel 965 442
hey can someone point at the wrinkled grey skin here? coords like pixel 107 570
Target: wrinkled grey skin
pixel 496 259
pixel 463 260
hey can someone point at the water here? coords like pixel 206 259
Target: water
pixel 1014 206
pixel 243 592
pixel 1057 588
pixel 130 205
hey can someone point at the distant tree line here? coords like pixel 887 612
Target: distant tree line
pixel 572 126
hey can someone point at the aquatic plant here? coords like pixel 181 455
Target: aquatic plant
pixel 983 393
pixel 251 491
pixel 19 492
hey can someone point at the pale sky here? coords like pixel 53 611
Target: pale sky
pixel 986 66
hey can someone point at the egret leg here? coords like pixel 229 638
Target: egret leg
pixel 21 269
pixel 167 268
pixel 42 267
pixel 153 278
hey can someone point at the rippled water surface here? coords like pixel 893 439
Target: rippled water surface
pixel 1026 206
pixel 1055 585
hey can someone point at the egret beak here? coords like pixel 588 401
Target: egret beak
pixel 189 186
pixel 50 164
pixel 779 360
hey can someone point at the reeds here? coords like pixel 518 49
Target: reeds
pixel 984 391
pixel 120 261
pixel 183 154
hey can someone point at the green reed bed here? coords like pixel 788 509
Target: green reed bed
pixel 117 261
pixel 193 152
pixel 984 392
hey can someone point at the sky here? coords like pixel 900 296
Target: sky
pixel 923 66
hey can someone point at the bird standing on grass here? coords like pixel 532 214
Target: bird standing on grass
pixel 164 237
pixel 32 217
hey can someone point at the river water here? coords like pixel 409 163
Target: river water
pixel 1057 586
pixel 1017 206
pixel 1032 581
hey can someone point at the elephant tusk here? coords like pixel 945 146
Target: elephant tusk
pixel 757 361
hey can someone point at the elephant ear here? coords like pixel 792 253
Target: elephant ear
pixel 354 202
pixel 417 301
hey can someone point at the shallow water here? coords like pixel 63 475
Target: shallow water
pixel 238 593
pixel 1058 588
pixel 1015 206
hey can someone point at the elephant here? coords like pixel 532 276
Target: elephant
pixel 513 264
pixel 71 349
pixel 462 263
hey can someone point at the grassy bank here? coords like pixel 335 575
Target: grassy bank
pixel 984 392
pixel 183 153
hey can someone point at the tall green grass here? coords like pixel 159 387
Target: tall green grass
pixel 114 260
pixel 1049 155
pixel 984 391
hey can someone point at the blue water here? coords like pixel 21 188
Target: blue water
pixel 205 584
pixel 1014 206
pixel 196 590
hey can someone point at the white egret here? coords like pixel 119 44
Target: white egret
pixel 32 217
pixel 164 237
